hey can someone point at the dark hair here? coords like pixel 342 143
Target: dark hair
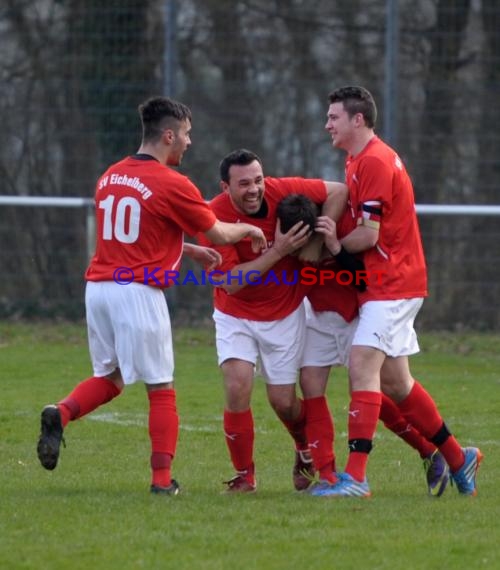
pixel 356 100
pixel 160 113
pixel 296 208
pixel 241 156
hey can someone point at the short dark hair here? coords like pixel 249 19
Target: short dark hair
pixel 356 100
pixel 160 113
pixel 296 208
pixel 241 156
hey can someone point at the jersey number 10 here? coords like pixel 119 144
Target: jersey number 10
pixel 127 216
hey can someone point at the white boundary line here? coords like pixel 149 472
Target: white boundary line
pixel 137 419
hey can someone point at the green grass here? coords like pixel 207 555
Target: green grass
pixel 95 509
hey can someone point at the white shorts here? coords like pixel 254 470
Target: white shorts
pixel 328 338
pixel 278 344
pixel 129 328
pixel 388 326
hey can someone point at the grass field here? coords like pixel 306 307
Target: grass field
pixel 95 510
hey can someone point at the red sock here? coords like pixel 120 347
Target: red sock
pixel 420 409
pixel 239 432
pixel 320 433
pixel 297 428
pixel 393 420
pixel 86 397
pixel 163 433
pixel 364 411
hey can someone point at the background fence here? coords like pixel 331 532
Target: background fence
pixel 256 73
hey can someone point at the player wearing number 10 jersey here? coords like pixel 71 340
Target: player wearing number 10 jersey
pixel 143 209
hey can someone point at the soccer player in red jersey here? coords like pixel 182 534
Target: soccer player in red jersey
pixel 331 319
pixel 387 234
pixel 143 209
pixel 258 308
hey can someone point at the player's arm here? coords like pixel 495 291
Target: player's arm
pixel 336 200
pixel 326 227
pixel 366 234
pixel 374 194
pixel 333 207
pixel 222 233
pixel 360 239
pixel 245 273
pixel 208 257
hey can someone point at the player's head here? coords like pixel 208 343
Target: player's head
pixel 351 114
pixel 296 208
pixel 242 178
pixel 356 100
pixel 168 121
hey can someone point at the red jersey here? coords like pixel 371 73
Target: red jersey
pixel 280 291
pixel 381 195
pixel 332 295
pixel 143 209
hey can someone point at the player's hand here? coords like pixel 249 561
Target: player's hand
pixel 259 241
pixel 208 257
pixel 311 251
pixel 296 237
pixel 328 229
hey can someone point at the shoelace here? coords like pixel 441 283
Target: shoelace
pixel 307 475
pixel 431 469
pixel 234 481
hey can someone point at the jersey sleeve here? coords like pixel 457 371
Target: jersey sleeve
pixel 375 191
pixel 313 188
pixel 187 208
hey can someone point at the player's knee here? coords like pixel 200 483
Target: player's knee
pixel 284 408
pixel 313 381
pixel 237 394
pixel 116 379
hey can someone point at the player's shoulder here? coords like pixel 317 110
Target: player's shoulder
pixel 221 203
pixel 118 165
pixel 273 181
pixel 277 184
pixel 175 183
pixel 221 199
pixel 172 175
pixel 379 151
pixel 278 188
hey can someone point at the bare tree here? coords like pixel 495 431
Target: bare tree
pixel 70 109
pixel 256 73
